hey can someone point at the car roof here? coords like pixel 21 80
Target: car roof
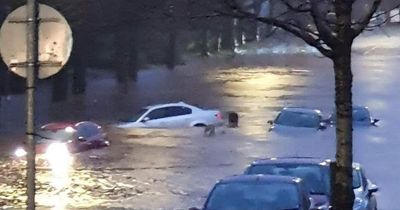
pixel 299 160
pixel 260 178
pixel 302 110
pixel 360 107
pixel 58 125
pixel 287 160
pixel 167 105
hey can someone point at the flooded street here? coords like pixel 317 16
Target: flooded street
pixel 176 169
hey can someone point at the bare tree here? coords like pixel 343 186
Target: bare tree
pixel 331 27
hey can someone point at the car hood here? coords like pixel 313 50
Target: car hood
pixel 290 130
pixel 128 125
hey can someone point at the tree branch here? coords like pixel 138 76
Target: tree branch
pixel 359 28
pixel 326 33
pixel 308 36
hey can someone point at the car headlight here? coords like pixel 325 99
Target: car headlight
pixel 324 207
pixel 359 204
pixel 20 152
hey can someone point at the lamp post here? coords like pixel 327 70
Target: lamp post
pixel 31 72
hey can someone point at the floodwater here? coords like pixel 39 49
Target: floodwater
pixel 175 170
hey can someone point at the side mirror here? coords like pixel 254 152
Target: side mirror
pixel 145 119
pixel 270 122
pixel 81 139
pixel 372 188
pixel 374 121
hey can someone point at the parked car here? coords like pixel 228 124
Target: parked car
pixel 76 137
pixel 296 117
pixel 361 117
pixel 254 192
pixel 316 175
pixel 172 115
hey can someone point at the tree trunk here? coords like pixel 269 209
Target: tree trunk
pixel 133 56
pixel 238 32
pixel 227 36
pixel 250 30
pixel 343 195
pixel 60 86
pixel 213 40
pixel 79 74
pixel 122 57
pixel 203 43
pixel 78 63
pixel 171 50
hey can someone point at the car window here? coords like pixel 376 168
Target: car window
pixel 158 113
pixel 315 178
pixel 178 111
pixel 254 195
pixel 298 119
pixel 87 130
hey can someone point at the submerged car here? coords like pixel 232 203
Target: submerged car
pixel 361 117
pixel 172 115
pixel 75 137
pixel 295 117
pixel 254 192
pixel 315 173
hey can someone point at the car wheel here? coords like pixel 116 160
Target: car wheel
pixel 200 125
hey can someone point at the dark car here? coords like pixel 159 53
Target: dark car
pixel 316 175
pixel 254 192
pixel 361 117
pixel 77 137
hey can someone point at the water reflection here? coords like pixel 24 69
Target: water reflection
pixel 258 93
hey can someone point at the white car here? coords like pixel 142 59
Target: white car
pixel 173 115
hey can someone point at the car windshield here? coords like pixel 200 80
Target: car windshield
pixel 253 195
pixel 45 135
pixel 315 178
pixel 298 119
pixel 135 117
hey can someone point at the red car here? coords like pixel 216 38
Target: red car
pixel 77 137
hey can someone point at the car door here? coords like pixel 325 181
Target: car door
pixel 179 116
pixel 157 118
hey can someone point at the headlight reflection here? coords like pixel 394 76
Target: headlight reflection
pixel 59 158
pixel 60 162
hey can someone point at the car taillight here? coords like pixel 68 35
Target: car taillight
pixel 219 116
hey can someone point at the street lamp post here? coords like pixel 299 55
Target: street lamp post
pixel 31 72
